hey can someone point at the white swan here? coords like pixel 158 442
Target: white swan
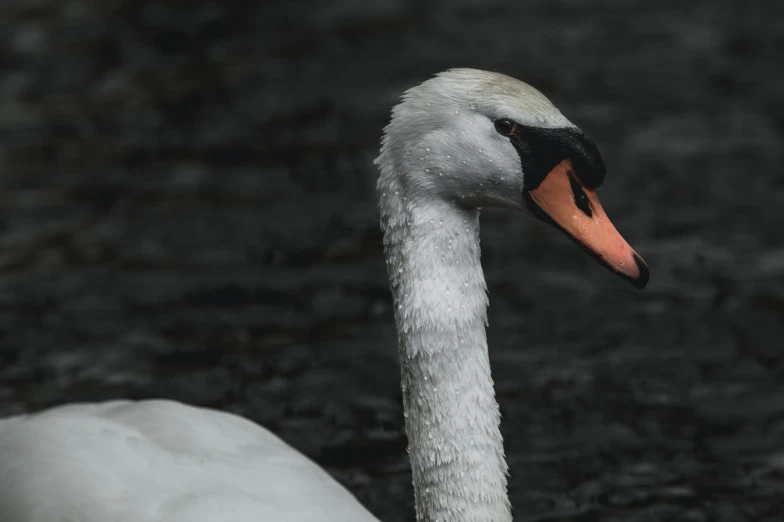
pixel 461 140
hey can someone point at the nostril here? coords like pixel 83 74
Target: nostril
pixel 580 198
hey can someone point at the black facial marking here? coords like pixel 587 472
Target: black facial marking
pixel 580 198
pixel 541 150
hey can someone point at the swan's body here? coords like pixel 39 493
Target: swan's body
pixel 461 140
pixel 159 461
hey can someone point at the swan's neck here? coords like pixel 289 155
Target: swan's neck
pixel 452 418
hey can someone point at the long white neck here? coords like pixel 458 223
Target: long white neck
pixel 452 417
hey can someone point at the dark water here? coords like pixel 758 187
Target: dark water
pixel 186 212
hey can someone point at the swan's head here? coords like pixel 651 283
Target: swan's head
pixel 483 139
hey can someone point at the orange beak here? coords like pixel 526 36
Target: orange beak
pixel 564 202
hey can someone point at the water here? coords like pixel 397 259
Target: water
pixel 183 217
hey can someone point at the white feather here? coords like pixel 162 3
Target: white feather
pixel 158 461
pixel 161 461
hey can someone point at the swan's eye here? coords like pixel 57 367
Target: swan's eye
pixel 506 127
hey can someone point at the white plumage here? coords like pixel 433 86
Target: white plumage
pixel 442 158
pixel 158 461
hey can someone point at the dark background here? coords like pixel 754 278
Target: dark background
pixel 187 211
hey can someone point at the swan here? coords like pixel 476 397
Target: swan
pixel 461 140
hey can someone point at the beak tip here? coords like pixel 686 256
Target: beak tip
pixel 641 281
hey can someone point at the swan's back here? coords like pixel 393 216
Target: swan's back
pixel 159 461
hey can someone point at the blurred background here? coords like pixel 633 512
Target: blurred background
pixel 187 211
